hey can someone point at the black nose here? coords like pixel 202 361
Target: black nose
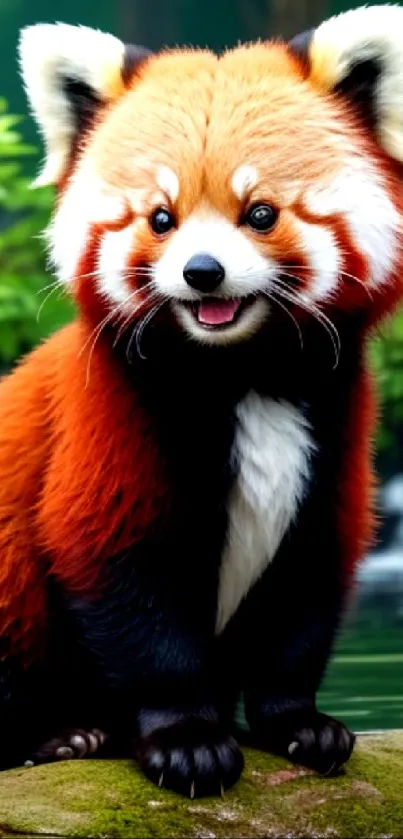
pixel 203 272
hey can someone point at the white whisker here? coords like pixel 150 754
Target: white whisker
pixel 286 293
pixel 127 319
pixel 53 284
pixel 98 332
pixel 129 273
pixel 115 313
pixel 139 330
pixel 55 287
pixel 308 269
pixel 359 281
pixel 272 297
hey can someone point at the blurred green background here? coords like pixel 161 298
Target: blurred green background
pixel 365 681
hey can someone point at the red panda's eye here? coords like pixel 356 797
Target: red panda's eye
pixel 260 217
pixel 161 221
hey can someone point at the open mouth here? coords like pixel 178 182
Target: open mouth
pixel 217 312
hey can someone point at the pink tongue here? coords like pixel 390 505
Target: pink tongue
pixel 215 312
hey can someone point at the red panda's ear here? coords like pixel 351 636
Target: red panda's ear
pixel 359 55
pixel 69 72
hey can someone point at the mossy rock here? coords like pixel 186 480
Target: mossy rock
pixel 110 798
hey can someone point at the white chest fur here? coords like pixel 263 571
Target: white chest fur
pixel 272 446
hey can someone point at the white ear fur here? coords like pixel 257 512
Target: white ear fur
pixel 51 53
pixel 360 35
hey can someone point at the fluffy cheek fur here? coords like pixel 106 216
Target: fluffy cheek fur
pixel 336 241
pixel 358 211
pixel 109 250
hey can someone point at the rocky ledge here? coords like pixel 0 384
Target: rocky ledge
pixel 110 799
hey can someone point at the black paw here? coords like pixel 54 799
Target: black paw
pixel 71 743
pixel 195 758
pixel 311 739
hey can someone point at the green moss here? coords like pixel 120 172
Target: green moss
pixel 112 799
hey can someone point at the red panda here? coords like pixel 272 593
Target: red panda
pixel 186 472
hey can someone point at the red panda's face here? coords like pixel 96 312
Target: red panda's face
pixel 218 192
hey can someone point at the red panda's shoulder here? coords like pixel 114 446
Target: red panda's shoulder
pixel 105 483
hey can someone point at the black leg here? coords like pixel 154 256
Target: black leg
pixel 152 641
pixel 24 713
pixel 48 706
pixel 290 622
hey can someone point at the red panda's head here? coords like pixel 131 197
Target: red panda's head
pixel 215 190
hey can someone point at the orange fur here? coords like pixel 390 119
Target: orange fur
pixel 71 442
pixel 74 436
pixel 356 491
pixel 101 426
pixel 24 448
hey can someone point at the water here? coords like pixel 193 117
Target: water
pixel 364 685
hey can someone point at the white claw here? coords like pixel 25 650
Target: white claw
pixel 64 752
pixel 329 772
pixel 94 742
pixel 292 747
pixel 100 735
pixel 29 764
pixel 192 790
pixel 161 780
pixel 79 744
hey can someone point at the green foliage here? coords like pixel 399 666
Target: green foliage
pixel 387 360
pixel 24 213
